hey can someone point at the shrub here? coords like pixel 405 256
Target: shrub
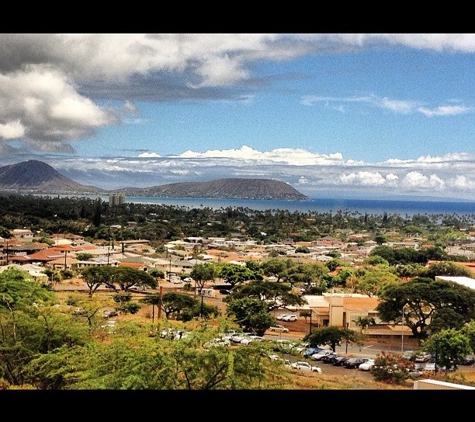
pixel 391 368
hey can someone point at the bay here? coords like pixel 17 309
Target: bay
pixel 322 205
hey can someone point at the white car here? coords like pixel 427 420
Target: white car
pixel 422 357
pixel 282 317
pixel 290 318
pixel 366 366
pixel 430 366
pixel 237 337
pixel 247 338
pixel 305 366
pixel 320 354
pixel 280 328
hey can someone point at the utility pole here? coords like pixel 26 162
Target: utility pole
pixel 310 326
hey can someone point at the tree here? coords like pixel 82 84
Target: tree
pixel 373 279
pixel 174 303
pixel 469 331
pixel 449 348
pixel 251 314
pixel 276 267
pixel 124 278
pixel 448 268
pixel 203 273
pixel 30 325
pixel 305 273
pixel 94 277
pixel 331 336
pixel 391 368
pixel 235 274
pixel 273 294
pixel 133 360
pixel 422 298
pixel 364 322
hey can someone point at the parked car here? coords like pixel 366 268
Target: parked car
pixel 274 357
pixel 330 358
pixel 305 366
pixel 354 363
pixel 280 328
pixel 309 351
pixel 250 338
pixel 340 360
pixel 320 354
pixel 366 366
pixel 218 341
pixel 414 373
pixel 300 347
pixel 422 357
pixel 228 334
pixel 469 360
pixel 225 291
pixel 290 318
pixel 431 366
pixel 237 337
pixel 281 317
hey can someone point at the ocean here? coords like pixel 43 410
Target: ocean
pixel 321 205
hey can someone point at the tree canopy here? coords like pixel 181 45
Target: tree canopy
pixel 422 299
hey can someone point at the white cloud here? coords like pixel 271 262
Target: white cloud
pixel 12 130
pixel 44 107
pixel 292 156
pixel 149 154
pixel 363 178
pixel 415 179
pixel 444 111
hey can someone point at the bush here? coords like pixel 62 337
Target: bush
pixel 391 368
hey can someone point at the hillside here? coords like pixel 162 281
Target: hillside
pixel 222 188
pixel 38 177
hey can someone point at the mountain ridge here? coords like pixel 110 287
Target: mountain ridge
pixel 35 176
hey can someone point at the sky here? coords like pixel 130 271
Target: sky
pixel 353 115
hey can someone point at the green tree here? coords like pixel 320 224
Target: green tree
pixel 95 277
pixel 373 280
pixel 203 273
pixel 84 256
pixel 421 299
pixel 174 303
pixel 449 348
pixel 276 267
pixel 469 331
pixel 251 314
pixel 274 295
pixel 124 278
pixel 30 325
pixel 132 360
pixel 364 322
pixel 330 336
pixel 235 274
pixel 448 268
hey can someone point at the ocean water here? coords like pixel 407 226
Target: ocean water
pixel 322 205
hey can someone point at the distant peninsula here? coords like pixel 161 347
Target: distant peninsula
pixel 232 188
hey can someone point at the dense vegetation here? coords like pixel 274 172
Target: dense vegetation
pixel 46 345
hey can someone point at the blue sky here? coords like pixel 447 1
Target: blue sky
pixel 334 115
